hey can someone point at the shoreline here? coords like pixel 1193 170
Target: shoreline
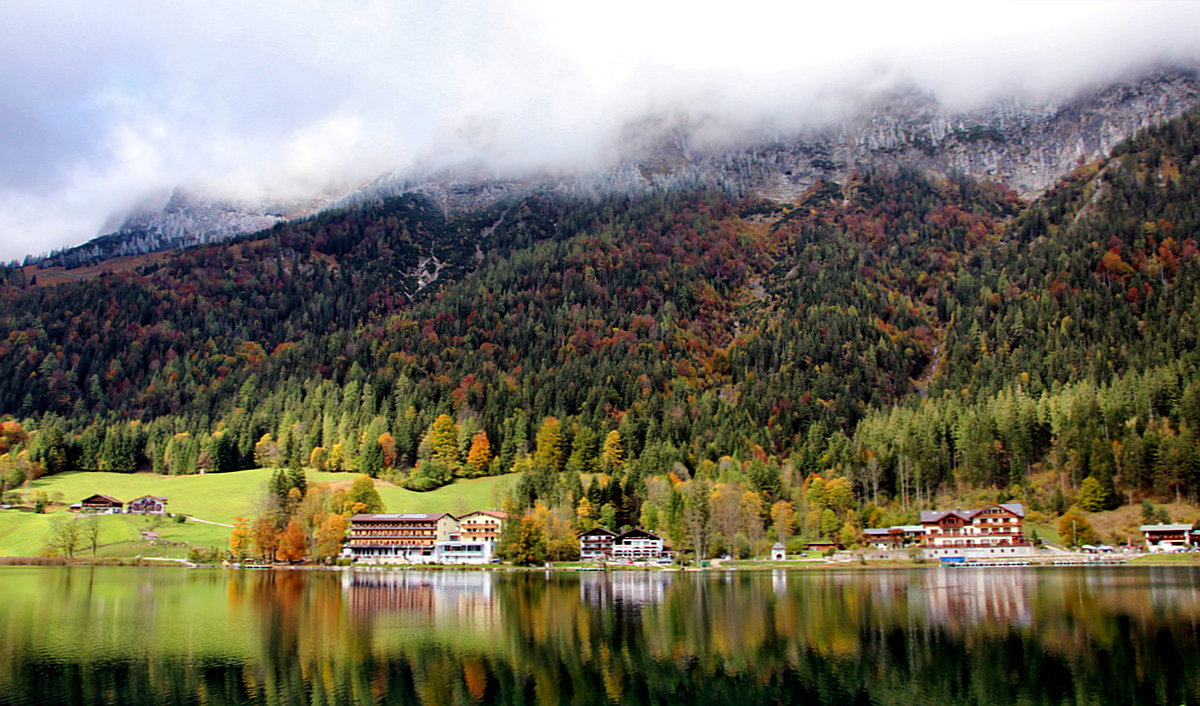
pixel 575 567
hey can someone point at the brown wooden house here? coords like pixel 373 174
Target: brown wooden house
pixel 103 504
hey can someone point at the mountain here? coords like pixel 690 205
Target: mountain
pixel 1022 144
pixel 908 328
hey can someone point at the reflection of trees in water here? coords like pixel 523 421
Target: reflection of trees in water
pixel 953 636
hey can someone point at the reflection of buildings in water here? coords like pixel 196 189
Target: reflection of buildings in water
pixel 630 588
pixel 460 593
pixel 953 596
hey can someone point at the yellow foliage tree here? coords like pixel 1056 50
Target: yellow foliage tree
pixel 443 440
pixel 241 538
pixel 612 455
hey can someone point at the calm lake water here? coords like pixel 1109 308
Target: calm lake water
pixel 1119 635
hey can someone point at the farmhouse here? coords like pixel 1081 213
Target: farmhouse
pixel 596 544
pixel 894 537
pixel 148 505
pixel 1161 538
pixel 637 544
pixel 99 504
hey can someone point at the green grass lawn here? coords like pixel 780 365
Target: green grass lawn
pixel 1164 559
pixel 220 497
pixel 217 497
pixel 28 534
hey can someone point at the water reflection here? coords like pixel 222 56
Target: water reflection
pixel 991 636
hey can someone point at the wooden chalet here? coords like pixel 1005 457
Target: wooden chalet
pixel 1167 537
pixel 637 544
pixel 893 537
pixel 992 526
pixel 596 544
pixel 148 505
pixel 101 504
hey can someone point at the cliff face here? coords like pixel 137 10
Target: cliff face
pixel 1023 145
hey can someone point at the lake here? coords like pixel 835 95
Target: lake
pixel 117 635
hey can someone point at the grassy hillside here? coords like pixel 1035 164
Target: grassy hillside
pixel 27 534
pixel 217 497
pixel 220 497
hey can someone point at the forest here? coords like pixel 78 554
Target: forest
pixel 720 368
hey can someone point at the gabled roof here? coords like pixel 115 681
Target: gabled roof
pixel 598 532
pixel 151 497
pixel 778 545
pixel 490 513
pixel 1015 508
pixel 427 516
pixel 637 533
pixel 933 516
pixel 98 496
pixel 1166 528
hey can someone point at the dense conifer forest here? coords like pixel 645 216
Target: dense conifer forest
pixel 712 366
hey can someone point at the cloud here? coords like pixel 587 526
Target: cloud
pixel 106 101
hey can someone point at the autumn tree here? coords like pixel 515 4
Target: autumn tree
pixel 329 537
pixel 241 538
pixel 1075 529
pixel 360 497
pixel 612 456
pixel 265 538
pixel 1094 496
pixel 548 445
pixel 292 542
pixel 442 438
pixel 783 517
pixel 480 455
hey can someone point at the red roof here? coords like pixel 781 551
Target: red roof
pixel 489 513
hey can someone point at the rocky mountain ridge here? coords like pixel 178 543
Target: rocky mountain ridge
pixel 1024 145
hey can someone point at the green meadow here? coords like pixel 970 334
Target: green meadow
pixel 215 497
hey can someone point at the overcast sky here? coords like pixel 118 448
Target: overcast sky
pixel 106 101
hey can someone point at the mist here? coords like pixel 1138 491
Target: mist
pixel 105 103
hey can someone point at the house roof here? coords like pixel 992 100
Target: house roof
pixel 637 533
pixel 490 513
pixel 1166 528
pixel 933 516
pixel 427 516
pixel 598 531
pixel 778 545
pixel 151 497
pixel 98 496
